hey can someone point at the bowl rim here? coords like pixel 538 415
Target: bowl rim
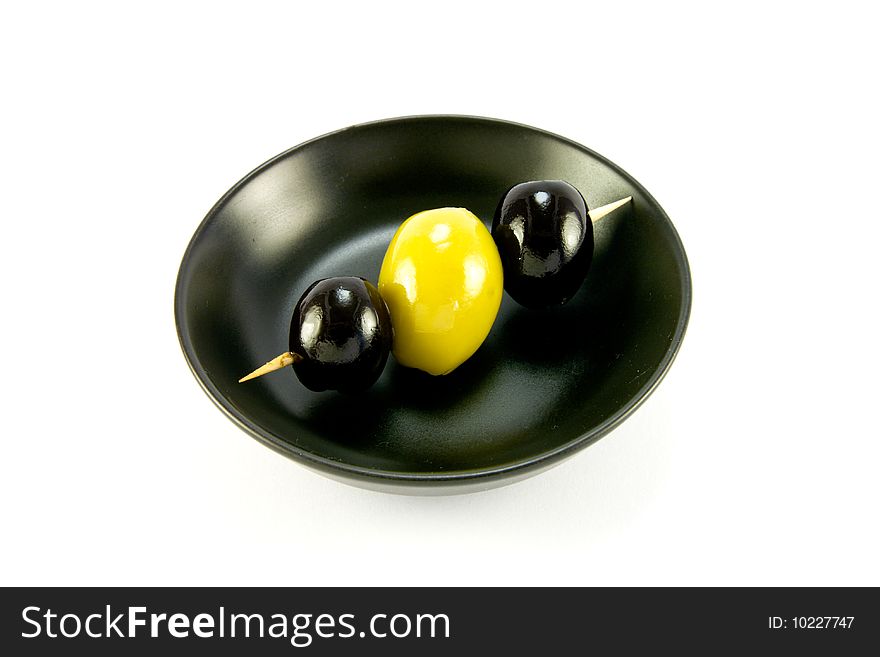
pixel 339 468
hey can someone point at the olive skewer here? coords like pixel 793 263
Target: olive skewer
pixel 341 333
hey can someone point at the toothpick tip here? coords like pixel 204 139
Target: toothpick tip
pixel 604 210
pixel 277 363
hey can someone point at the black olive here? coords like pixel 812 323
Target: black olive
pixel 545 239
pixel 341 330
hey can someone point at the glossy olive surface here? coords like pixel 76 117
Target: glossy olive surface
pixel 341 329
pixel 442 280
pixel 545 239
pixel 543 385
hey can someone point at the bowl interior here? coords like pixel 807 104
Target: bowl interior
pixel 542 382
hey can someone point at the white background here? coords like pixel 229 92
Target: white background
pixel 755 126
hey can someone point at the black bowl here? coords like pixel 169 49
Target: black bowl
pixel 544 384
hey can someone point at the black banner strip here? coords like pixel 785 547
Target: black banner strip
pixel 436 621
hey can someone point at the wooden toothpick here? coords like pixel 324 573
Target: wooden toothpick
pixel 598 213
pixel 277 363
